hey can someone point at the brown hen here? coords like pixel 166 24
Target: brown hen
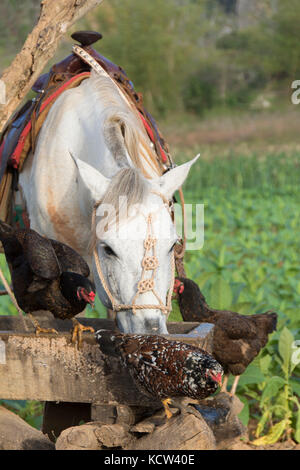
pixel 47 275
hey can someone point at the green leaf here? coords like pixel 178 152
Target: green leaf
pixel 221 260
pixel 221 294
pixel 295 357
pixel 272 387
pixel 202 280
pixel 273 435
pixel 262 422
pixel 244 415
pixel 242 307
pixel 265 363
pixel 252 375
pixel 297 431
pixel 285 343
pixel 295 387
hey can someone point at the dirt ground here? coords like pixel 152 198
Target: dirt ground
pixel 275 131
pixel 278 446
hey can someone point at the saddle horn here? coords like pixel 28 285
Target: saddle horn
pixel 86 38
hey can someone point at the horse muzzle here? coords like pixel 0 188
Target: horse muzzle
pixel 146 321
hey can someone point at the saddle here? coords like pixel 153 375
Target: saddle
pixel 21 131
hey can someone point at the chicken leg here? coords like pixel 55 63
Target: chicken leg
pixel 166 402
pixel 234 385
pixel 224 384
pixel 182 404
pixel 77 331
pixel 39 329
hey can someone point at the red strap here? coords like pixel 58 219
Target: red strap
pixel 62 88
pixel 151 135
pixel 15 158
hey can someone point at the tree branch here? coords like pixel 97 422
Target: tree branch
pixel 56 17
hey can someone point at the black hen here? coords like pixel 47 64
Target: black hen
pixel 46 274
pixel 164 368
pixel 237 338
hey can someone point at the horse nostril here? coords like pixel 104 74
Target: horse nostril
pixel 152 326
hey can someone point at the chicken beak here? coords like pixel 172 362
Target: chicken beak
pixel 89 298
pixel 217 378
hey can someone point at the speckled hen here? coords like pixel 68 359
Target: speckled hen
pixel 237 338
pixel 163 368
pixel 46 275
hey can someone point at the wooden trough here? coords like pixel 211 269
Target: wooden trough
pixel 49 368
pixel 83 385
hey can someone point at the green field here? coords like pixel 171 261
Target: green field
pixel 250 264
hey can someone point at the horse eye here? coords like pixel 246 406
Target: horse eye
pixel 109 251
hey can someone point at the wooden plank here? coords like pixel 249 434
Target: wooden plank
pixel 50 368
pixel 46 320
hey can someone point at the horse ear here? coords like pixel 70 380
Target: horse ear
pixel 174 179
pixel 92 179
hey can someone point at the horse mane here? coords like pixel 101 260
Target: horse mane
pixel 126 137
pixel 124 132
pixel 128 183
pixel 127 188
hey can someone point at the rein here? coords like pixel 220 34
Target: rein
pixel 149 263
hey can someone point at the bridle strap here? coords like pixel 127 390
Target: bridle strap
pixel 149 263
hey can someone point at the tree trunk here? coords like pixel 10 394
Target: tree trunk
pixel 56 17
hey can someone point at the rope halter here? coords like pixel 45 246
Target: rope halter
pixel 149 263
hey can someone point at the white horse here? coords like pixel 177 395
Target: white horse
pixel 111 158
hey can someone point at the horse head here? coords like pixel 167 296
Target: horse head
pixel 133 243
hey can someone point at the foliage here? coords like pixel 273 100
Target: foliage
pixel 152 60
pixel 249 264
pixel 277 393
pixel 30 411
pixel 188 54
pixel 201 88
pixel 16 21
pixel 268 50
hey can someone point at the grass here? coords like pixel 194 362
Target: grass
pixel 250 264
